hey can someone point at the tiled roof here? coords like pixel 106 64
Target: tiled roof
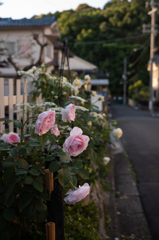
pixel 24 22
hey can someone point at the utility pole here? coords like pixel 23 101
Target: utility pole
pixel 152 46
pixel 124 76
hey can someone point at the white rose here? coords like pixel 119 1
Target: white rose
pixel 117 132
pixel 87 77
pixel 77 83
pixel 106 160
pixel 34 68
pixel 63 79
pixel 94 93
pixel 89 123
pixel 101 99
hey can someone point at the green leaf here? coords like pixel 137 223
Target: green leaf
pixel 24 199
pixel 21 172
pixel 49 159
pixel 9 121
pixel 83 173
pixel 22 151
pixel 63 176
pixel 42 139
pixel 22 163
pixel 28 180
pixel 34 172
pixel 7 164
pixel 52 139
pixel 9 191
pixel 65 159
pixel 38 185
pixel 18 124
pixel 10 200
pixel 37 94
pixel 93 155
pixel 43 216
pixel 73 182
pixel 34 144
pixel 9 214
pixel 54 166
pixel 3 222
pixel 40 206
pixel 14 151
pixel 77 163
pixel 9 176
pixel 67 102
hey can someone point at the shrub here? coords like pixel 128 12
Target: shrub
pixel 81 222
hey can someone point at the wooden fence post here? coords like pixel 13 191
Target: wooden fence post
pixel 55 207
pixel 2 114
pixel 11 104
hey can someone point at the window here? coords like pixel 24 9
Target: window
pixel 10 48
pixel 48 51
pixel 25 48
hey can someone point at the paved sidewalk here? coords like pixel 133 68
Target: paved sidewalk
pixel 131 219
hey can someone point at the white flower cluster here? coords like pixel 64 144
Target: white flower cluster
pixel 81 108
pixel 33 72
pixel 78 98
pixel 22 104
pixel 49 104
pixel 65 128
pixel 98 115
pixel 71 87
pixel 56 109
pixel 30 126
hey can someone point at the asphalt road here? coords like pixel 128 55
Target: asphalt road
pixel 141 143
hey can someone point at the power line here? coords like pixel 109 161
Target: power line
pixel 108 41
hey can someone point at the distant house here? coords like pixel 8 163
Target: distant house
pixel 16 39
pixel 155 78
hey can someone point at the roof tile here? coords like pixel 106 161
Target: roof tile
pixel 9 22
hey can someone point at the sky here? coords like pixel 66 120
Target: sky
pixel 17 9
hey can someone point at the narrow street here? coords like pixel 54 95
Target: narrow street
pixel 141 143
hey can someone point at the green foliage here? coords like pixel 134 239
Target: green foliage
pixel 138 91
pixel 81 222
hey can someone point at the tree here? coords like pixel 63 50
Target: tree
pixel 95 34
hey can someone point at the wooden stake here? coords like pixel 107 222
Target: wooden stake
pixel 49 183
pixel 50 231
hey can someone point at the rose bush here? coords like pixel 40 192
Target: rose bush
pixel 23 194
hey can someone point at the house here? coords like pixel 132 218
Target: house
pixel 17 38
pixel 155 77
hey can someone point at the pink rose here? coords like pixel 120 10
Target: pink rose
pixel 12 138
pixel 55 130
pixel 68 114
pixel 45 122
pixel 76 143
pixel 77 195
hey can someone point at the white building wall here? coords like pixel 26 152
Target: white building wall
pixel 27 36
